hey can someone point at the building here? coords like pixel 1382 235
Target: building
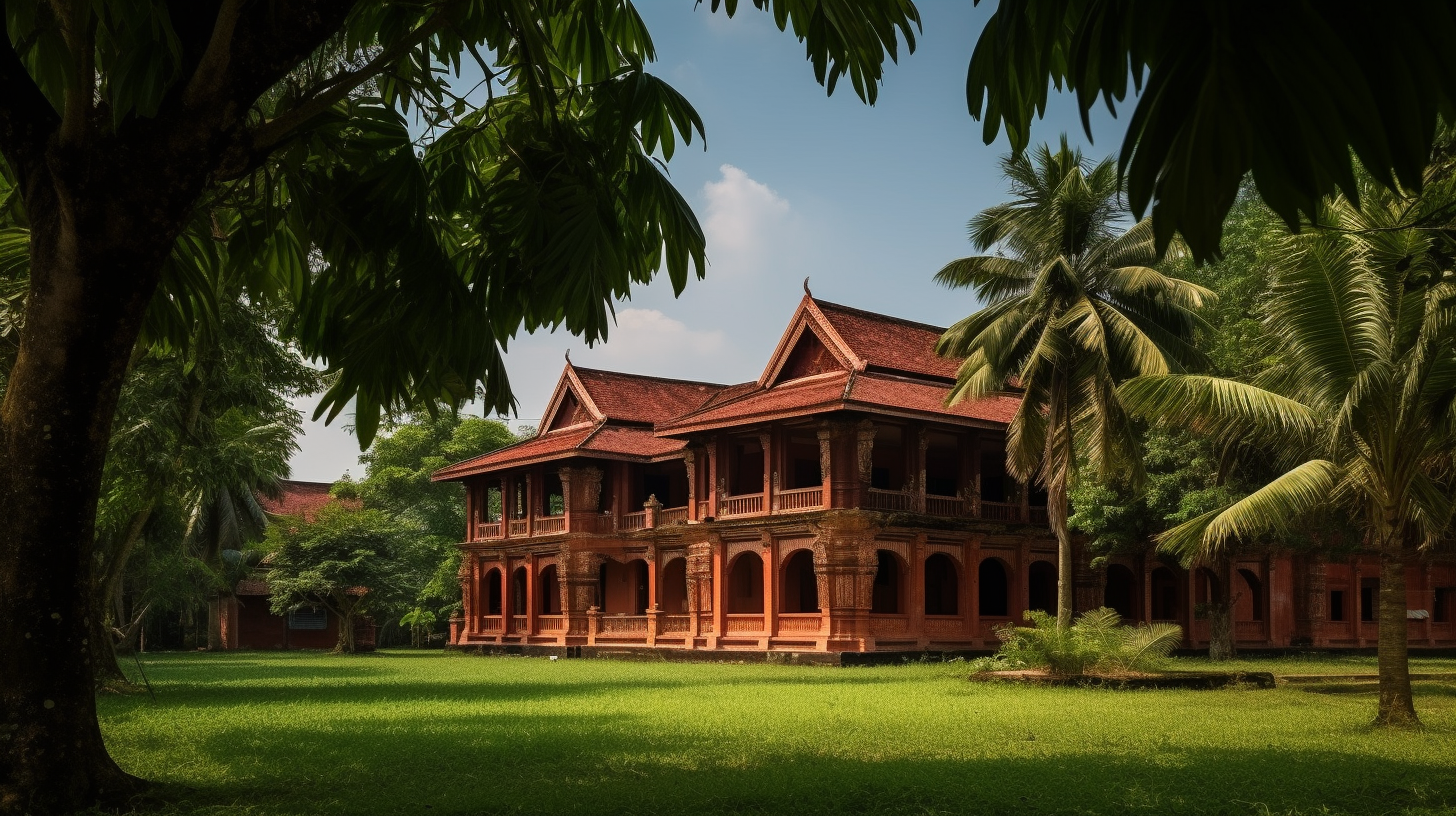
pixel 836 504
pixel 247 619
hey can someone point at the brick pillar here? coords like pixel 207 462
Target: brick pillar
pixel 922 444
pixel 826 465
pixel 916 594
pixel 770 589
pixel 714 480
pixel 765 441
pixel 850 567
pixel 690 463
pixel 651 508
pixel 700 584
pixel 864 459
pixel 973 589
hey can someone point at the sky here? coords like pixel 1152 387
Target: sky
pixel 867 202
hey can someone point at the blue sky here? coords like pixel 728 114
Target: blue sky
pixel 868 202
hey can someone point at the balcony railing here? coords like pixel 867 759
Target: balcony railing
pixel 550 524
pixel 1000 511
pixel 743 505
pixel 704 509
pixel 803 498
pixel 889 499
pixel 487 530
pixel 633 521
pixel 672 515
pixel 945 505
pixel 518 527
pixel 1038 514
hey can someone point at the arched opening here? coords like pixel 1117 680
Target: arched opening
pixel 801 588
pixel 672 589
pixel 994 588
pixel 1251 600
pixel 1041 587
pixel 1205 587
pixel 518 591
pixel 1120 595
pixel 745 585
pixel 942 589
pixel 550 591
pixel 1166 597
pixel 622 588
pixel 493 592
pixel 886 598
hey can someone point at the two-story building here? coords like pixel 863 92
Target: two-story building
pixel 835 504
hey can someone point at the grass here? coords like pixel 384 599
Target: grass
pixel 415 733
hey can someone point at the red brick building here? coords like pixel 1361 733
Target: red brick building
pixel 836 504
pixel 247 620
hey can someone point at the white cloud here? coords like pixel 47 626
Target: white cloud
pixel 746 222
pixel 646 340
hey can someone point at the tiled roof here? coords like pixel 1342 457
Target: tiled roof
pixel 303 499
pixel 636 398
pixel 922 397
pixel 632 442
pixel 530 450
pixel 889 343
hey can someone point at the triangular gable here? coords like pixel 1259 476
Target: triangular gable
pixel 810 340
pixel 571 404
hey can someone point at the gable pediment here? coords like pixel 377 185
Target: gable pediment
pixel 809 346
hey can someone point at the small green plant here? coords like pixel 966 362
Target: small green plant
pixel 1097 641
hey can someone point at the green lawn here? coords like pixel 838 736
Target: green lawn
pixel 401 732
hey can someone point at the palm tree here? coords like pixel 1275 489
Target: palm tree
pixel 1360 407
pixel 1073 307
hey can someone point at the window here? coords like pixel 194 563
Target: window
pixel 1337 604
pixel 1441 613
pixel 308 618
pixel 1368 588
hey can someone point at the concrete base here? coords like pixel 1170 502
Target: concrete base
pixel 656 655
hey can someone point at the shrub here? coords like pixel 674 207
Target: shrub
pixel 1097 641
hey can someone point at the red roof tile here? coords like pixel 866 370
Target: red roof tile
pixel 536 448
pixel 303 499
pixel 889 343
pixel 637 398
pixel 923 397
pixel 632 442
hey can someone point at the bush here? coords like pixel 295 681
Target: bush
pixel 1097 641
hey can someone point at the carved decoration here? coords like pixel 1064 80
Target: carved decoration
pixel 690 461
pixel 825 447
pixel 738 547
pixel 591 494
pixel 865 447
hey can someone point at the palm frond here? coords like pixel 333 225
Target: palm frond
pixel 1272 509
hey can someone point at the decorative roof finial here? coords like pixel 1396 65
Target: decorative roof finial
pixel 568 356
pixel 806 287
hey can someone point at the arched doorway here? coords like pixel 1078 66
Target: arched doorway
pixel 1205 587
pixel 745 585
pixel 942 588
pixel 493 592
pixel 518 591
pixel 886 599
pixel 801 588
pixel 672 589
pixel 1167 599
pixel 622 588
pixel 1250 606
pixel 1041 587
pixel 1120 595
pixel 550 591
pixel 994 584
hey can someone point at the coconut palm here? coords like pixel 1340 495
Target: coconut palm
pixel 1360 407
pixel 1073 307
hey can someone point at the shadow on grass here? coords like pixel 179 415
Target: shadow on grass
pixel 598 765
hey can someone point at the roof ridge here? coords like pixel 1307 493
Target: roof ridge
pixel 880 315
pixel 649 377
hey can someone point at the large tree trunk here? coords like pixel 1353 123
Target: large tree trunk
pixel 1057 517
pixel 94 267
pixel 1396 706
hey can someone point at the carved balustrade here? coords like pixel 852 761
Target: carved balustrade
pixel 804 498
pixel 749 505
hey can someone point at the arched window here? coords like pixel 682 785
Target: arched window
pixel 1041 587
pixel 1121 592
pixel 1166 597
pixel 550 603
pixel 801 589
pixel 886 600
pixel 518 591
pixel 672 590
pixel 493 592
pixel 994 588
pixel 1251 602
pixel 745 585
pixel 942 589
pixel 1205 587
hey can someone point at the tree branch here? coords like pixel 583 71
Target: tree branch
pixel 271 133
pixel 78 28
pixel 26 117
pixel 212 69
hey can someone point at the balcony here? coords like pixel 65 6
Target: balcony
pixel 804 498
pixel 750 505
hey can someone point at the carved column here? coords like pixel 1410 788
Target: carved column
pixel 917 592
pixel 770 588
pixel 715 481
pixel 973 582
pixel 508 504
pixel 577 572
pixel 922 445
pixel 470 566
pixel 826 444
pixel 975 496
pixel 652 509
pixel 690 463
pixel 850 563
pixel 770 474
pixel 700 584
pixel 652 610
pixel 533 602
pixel 865 458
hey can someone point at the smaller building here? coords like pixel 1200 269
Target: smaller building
pixel 248 621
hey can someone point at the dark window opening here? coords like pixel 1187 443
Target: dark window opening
pixel 942 590
pixel 1121 592
pixel 880 478
pixel 659 485
pixel 995 484
pixel 1368 589
pixel 745 585
pixel 518 591
pixel 1041 587
pixel 801 588
pixel 1441 606
pixel 1165 595
pixel 886 600
pixel 554 499
pixel 550 591
pixel 1251 605
pixel 673 587
pixel 803 459
pixel 1337 604
pixel 308 618
pixel 493 592
pixel 995 592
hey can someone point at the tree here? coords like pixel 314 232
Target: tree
pixel 348 561
pixel 1074 307
pixel 1360 405
pixel 139 132
pixel 1288 91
